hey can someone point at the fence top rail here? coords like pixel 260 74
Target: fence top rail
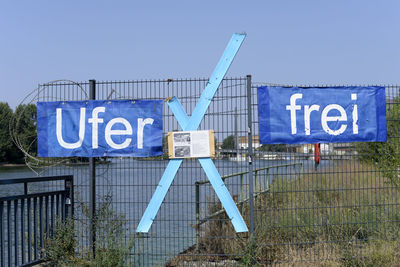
pixel 140 81
pixel 35 179
pixel 256 170
pixel 44 194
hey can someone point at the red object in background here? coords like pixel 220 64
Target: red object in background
pixel 317 154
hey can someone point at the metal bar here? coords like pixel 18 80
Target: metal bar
pixel 63 208
pixel 66 206
pixel 35 239
pixel 68 196
pixel 51 216
pixel 29 247
pixel 58 207
pixel 3 261
pixel 250 151
pixel 256 179
pixel 236 134
pixel 15 232
pixel 197 217
pixel 9 232
pixel 225 177
pixel 46 216
pixel 72 196
pixel 32 195
pixel 246 172
pixel 35 179
pixel 22 232
pixel 241 187
pixel 41 223
pixel 92 185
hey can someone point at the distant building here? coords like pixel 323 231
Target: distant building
pixel 329 149
pixel 326 149
pixel 344 149
pixel 218 145
pixel 244 144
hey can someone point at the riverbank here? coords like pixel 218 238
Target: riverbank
pixel 11 165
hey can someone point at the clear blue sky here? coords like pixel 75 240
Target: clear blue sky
pixel 290 42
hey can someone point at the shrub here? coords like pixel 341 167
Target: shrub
pixel 64 249
pixel 386 155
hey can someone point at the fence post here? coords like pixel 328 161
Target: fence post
pixel 257 182
pixel 92 185
pixel 241 196
pixel 197 217
pixel 2 249
pixel 69 198
pixel 250 152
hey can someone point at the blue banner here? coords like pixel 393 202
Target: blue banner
pixel 96 128
pixel 298 115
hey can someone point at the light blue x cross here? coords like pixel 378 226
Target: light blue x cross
pixel 206 163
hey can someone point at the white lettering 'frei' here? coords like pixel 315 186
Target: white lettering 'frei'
pixel 293 107
pixel 141 124
pixel 81 129
pixel 109 132
pixel 325 118
pixel 95 120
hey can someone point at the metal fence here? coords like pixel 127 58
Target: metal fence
pixel 295 214
pixel 29 215
pixel 344 213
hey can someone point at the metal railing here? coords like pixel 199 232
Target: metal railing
pixel 268 174
pixel 27 219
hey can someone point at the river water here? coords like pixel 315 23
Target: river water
pixel 131 184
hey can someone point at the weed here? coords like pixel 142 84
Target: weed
pixel 64 249
pixel 340 216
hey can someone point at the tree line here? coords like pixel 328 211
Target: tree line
pixel 23 125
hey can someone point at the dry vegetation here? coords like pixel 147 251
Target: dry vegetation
pixel 348 215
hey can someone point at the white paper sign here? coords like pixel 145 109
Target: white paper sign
pixel 191 144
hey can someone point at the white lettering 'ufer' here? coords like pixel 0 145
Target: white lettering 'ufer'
pixel 95 120
pixel 325 118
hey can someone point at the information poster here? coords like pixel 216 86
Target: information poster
pixel 191 144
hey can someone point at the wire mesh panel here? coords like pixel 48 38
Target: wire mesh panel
pixel 125 185
pixel 345 211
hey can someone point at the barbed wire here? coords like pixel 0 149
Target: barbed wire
pixel 33 162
